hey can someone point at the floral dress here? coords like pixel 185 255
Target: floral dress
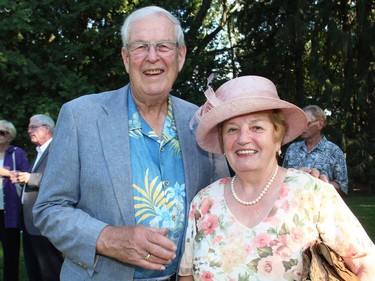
pixel 218 247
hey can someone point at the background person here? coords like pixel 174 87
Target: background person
pixel 43 261
pixel 318 152
pixel 124 165
pixel 255 225
pixel 11 158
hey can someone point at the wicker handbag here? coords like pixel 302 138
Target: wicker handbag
pixel 321 263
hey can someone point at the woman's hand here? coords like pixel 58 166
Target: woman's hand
pixel 363 267
pixel 4 172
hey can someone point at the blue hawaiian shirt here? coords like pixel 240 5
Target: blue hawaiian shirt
pixel 326 156
pixel 158 181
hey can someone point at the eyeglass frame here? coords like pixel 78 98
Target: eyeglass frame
pixel 156 46
pixel 3 133
pixel 34 127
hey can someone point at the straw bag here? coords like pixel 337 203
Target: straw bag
pixel 320 262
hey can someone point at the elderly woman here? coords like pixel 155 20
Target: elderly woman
pixel 11 158
pixel 256 225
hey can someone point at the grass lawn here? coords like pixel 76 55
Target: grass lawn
pixel 362 206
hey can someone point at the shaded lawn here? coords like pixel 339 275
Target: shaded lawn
pixel 361 205
pixel 22 269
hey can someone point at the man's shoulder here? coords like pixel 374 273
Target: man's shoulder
pixel 96 98
pixel 176 101
pixel 331 145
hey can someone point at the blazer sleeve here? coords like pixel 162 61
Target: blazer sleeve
pixel 62 211
pixel 35 179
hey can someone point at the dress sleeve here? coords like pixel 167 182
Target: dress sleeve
pixel 338 226
pixel 186 265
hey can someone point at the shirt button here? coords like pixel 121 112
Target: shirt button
pixel 166 182
pixel 162 149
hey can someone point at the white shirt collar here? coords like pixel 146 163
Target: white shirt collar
pixel 42 148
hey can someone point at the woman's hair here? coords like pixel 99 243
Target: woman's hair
pixel 148 12
pixel 9 128
pixel 278 120
pixel 45 120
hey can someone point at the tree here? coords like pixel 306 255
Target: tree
pixel 318 52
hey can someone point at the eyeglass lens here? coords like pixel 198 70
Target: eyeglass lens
pixel 33 127
pixel 165 48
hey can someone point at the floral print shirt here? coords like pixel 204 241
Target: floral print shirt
pixel 218 247
pixel 158 181
pixel 326 156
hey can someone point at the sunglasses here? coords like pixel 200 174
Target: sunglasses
pixel 3 133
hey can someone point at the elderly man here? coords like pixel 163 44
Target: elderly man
pixel 318 152
pixel 124 165
pixel 43 261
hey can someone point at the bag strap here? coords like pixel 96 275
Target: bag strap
pixel 14 158
pixel 18 186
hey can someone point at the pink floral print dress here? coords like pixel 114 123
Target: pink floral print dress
pixel 218 247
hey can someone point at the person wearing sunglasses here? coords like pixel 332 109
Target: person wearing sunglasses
pixel 315 150
pixel 12 158
pixel 42 260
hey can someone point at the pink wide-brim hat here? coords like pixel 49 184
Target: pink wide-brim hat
pixel 243 95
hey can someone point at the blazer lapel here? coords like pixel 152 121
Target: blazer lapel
pixel 113 132
pixel 186 137
pixel 42 158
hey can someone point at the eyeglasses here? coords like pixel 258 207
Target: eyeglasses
pixel 162 48
pixel 311 122
pixel 3 133
pixel 33 127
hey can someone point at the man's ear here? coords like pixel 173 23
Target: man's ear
pixel 321 124
pixel 125 58
pixel 181 56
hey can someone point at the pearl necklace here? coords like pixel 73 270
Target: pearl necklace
pixel 249 203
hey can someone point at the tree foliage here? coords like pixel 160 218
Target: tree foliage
pixel 318 52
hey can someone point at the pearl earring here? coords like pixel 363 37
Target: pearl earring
pixel 279 152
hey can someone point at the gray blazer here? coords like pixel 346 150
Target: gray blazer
pixel 89 180
pixel 31 193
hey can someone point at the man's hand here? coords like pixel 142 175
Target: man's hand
pixel 315 173
pixel 142 246
pixel 23 177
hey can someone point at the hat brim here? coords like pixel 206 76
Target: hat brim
pixel 207 131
